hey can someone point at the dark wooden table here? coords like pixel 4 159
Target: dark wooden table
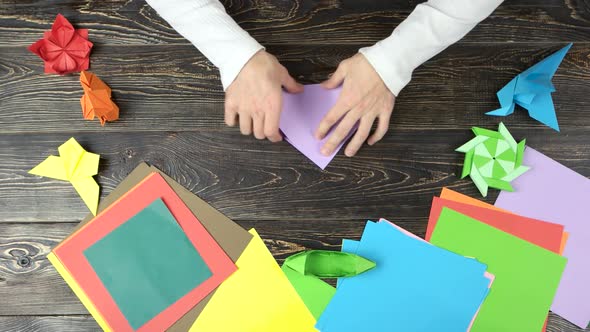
pixel 172 117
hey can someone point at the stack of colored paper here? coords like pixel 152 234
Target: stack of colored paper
pixel 414 287
pixel 158 258
pixel 485 269
pixel 521 239
pixel 551 191
pixel 522 253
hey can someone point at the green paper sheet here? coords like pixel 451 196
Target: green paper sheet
pixel 527 276
pixel 315 293
pixel 147 263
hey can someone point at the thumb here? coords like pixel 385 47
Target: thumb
pixel 290 84
pixel 336 79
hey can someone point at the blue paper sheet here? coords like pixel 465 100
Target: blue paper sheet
pixel 412 277
pixel 348 246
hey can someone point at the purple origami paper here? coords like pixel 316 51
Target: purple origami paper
pixel 553 192
pixel 301 117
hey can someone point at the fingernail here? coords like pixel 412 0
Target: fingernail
pixel 325 151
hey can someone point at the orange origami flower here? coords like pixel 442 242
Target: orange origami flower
pixel 63 48
pixel 96 101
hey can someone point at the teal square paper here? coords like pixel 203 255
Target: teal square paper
pixel 147 263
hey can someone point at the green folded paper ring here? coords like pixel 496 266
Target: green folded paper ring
pixel 328 264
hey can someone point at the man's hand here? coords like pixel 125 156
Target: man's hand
pixel 255 96
pixel 364 98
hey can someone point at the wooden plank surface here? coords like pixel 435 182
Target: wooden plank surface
pixel 49 305
pixel 254 180
pixel 172 117
pixel 87 324
pixel 174 87
pixel 27 275
pixel 49 323
pixel 292 22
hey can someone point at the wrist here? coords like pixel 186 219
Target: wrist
pixel 243 57
pixel 387 71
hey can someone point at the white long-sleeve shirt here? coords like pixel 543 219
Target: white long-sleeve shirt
pixel 429 29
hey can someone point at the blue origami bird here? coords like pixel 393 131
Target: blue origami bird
pixel 532 90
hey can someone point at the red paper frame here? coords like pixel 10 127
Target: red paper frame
pixel 71 253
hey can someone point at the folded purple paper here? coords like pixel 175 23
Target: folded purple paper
pixel 301 116
pixel 553 192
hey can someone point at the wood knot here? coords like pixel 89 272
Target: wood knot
pixel 24 261
pixel 19 257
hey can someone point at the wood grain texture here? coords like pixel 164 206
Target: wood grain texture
pixel 49 324
pixel 254 180
pixel 172 117
pixel 48 294
pixel 39 281
pixel 291 22
pixel 87 324
pixel 176 88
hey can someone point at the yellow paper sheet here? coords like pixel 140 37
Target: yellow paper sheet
pixel 65 274
pixel 256 298
pixel 76 165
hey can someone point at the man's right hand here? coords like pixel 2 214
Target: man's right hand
pixel 255 96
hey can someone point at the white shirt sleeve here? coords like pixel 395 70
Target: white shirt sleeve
pixel 206 25
pixel 429 29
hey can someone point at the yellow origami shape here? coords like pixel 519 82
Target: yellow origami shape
pixel 76 165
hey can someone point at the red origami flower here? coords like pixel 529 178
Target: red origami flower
pixel 63 49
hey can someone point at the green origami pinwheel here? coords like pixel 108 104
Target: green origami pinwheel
pixel 493 159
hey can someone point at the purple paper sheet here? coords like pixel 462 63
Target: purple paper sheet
pixel 553 192
pixel 301 117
